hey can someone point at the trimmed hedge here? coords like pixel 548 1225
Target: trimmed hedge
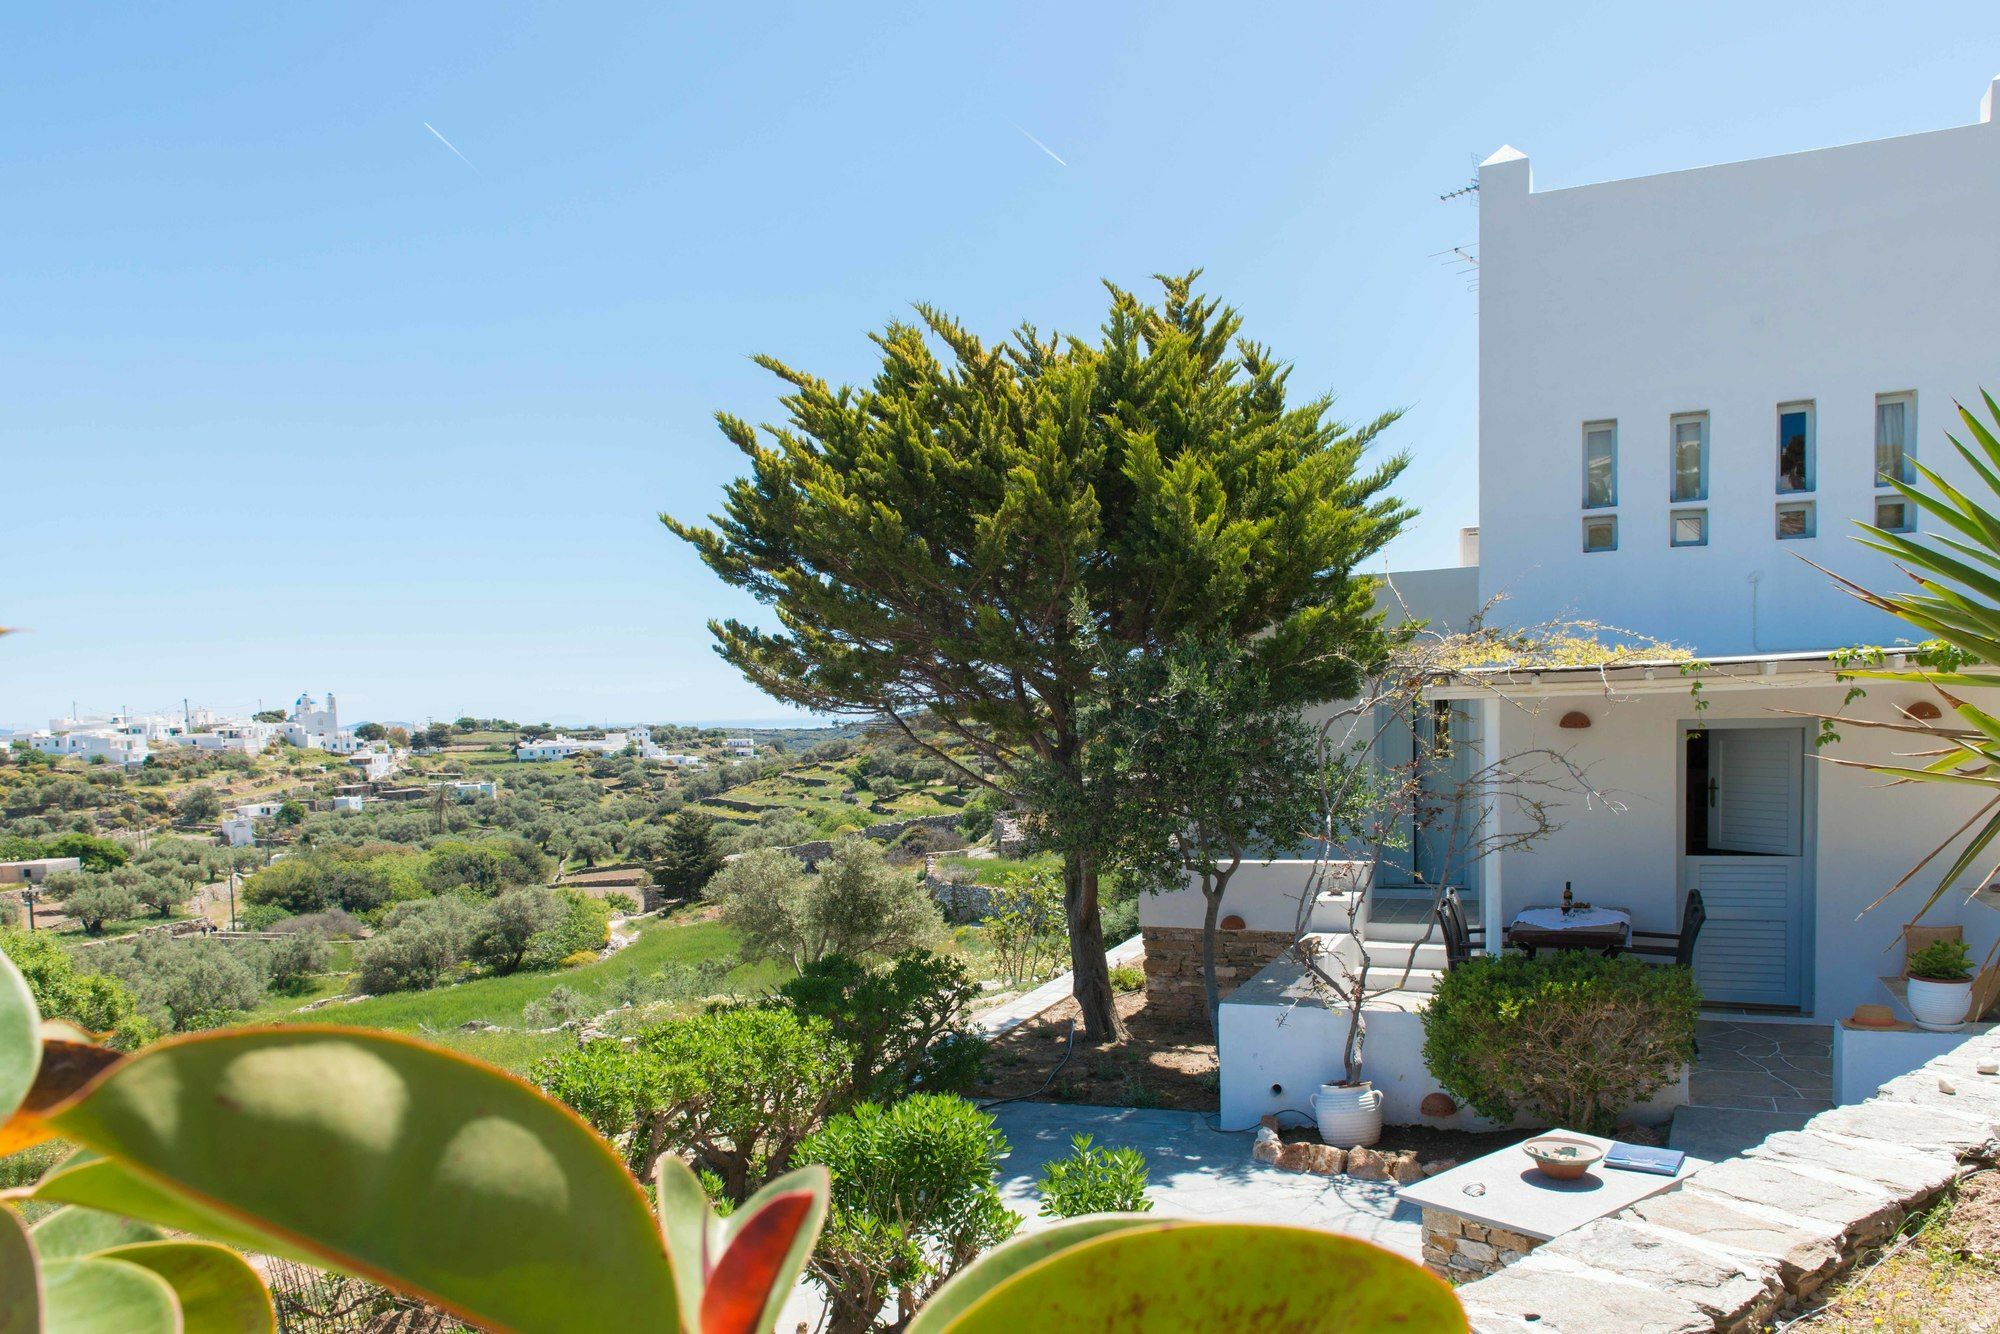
pixel 1569 1037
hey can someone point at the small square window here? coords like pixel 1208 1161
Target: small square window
pixel 1689 528
pixel 1600 533
pixel 1795 519
pixel 1895 514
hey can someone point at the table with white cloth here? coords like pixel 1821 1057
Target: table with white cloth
pixel 1553 928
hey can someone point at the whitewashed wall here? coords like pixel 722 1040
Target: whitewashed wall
pixel 1867 834
pixel 1266 895
pixel 1831 276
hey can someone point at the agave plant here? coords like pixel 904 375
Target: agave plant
pixel 446 1179
pixel 1956 604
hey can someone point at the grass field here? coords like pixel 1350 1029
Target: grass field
pixel 499 1000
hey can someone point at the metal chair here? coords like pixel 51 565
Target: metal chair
pixel 1459 939
pixel 1675 947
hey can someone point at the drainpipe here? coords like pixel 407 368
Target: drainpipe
pixel 1489 800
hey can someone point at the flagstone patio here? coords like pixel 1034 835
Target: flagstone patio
pixel 1751 1080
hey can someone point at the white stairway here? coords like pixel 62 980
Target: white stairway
pixel 1392 945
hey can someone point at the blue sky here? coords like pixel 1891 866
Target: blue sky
pixel 293 397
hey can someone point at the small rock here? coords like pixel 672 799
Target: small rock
pixel 1268 1146
pixel 1319 1159
pixel 1404 1167
pixel 1946 1086
pixel 1988 1067
pixel 1269 1121
pixel 1442 1165
pixel 1364 1164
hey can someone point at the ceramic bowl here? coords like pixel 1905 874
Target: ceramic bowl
pixel 1561 1158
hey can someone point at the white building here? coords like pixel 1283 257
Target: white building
pixel 561 747
pixel 107 744
pixel 239 830
pixel 742 747
pixel 371 764
pixel 314 728
pixel 1687 381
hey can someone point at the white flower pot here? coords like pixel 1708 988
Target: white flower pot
pixel 1349 1117
pixel 1939 1006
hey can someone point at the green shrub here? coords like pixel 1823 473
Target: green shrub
pixel 1026 926
pixel 291 962
pixel 353 879
pixel 582 927
pixel 185 984
pixel 913 1202
pixel 61 990
pixel 905 1023
pixel 504 930
pixel 738 1089
pixel 619 902
pixel 422 942
pixel 858 905
pixel 261 916
pixel 92 898
pixel 561 1006
pixel 611 1086
pixel 1094 1181
pixel 1941 961
pixel 1128 977
pixel 1568 1037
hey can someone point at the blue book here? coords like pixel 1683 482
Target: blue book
pixel 1643 1158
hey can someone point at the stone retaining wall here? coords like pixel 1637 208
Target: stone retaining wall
pixel 1742 1239
pixel 1461 1250
pixel 1173 964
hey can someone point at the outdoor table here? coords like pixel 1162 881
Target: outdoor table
pixel 1494 1209
pixel 1606 929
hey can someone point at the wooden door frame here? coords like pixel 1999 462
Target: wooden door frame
pixel 1808 838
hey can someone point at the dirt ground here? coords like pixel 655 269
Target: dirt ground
pixel 1941 1276
pixel 1162 1063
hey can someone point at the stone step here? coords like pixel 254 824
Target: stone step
pixel 1387 959
pixel 1330 911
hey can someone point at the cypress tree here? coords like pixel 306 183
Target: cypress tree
pixel 975 529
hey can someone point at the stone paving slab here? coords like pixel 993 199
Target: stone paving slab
pixel 1199 1172
pixel 1731 1240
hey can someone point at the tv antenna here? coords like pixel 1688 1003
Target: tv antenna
pixel 1463 260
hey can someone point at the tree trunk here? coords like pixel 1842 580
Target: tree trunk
pixel 1090 975
pixel 1211 894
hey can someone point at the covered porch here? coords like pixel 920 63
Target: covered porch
pixel 1722 790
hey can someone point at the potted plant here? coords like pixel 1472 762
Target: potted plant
pixel 1940 985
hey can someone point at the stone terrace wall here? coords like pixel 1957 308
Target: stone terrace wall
pixel 1173 965
pixel 1746 1237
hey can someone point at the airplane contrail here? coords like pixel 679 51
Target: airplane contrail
pixel 1024 134
pixel 468 161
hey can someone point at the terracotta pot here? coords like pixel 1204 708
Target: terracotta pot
pixel 1349 1117
pixel 1939 1006
pixel 1562 1157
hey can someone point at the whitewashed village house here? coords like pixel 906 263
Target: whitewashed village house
pixel 1687 381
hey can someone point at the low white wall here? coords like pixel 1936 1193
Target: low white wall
pixel 1275 1057
pixel 1265 895
pixel 1864 1060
